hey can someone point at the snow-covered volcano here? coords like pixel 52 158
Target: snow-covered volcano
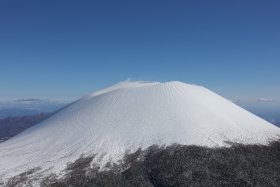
pixel 130 115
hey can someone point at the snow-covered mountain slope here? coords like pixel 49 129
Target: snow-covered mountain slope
pixel 127 116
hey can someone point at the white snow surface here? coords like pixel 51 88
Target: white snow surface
pixel 127 116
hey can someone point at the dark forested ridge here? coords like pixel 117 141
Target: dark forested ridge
pixel 11 126
pixel 175 165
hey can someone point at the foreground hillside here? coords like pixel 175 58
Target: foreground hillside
pixel 174 165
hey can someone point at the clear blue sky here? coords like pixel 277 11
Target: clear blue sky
pixel 65 49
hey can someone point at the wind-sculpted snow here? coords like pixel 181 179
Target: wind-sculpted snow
pixel 128 116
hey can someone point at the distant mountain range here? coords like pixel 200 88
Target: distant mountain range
pixel 18 115
pixel 12 126
pixel 30 106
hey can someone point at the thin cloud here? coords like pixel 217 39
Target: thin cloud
pixel 234 100
pixel 29 100
pixel 264 100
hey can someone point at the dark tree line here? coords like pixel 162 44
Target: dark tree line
pixel 176 165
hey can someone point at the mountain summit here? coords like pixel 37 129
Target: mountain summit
pixel 129 116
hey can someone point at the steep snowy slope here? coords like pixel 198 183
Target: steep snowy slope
pixel 127 116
